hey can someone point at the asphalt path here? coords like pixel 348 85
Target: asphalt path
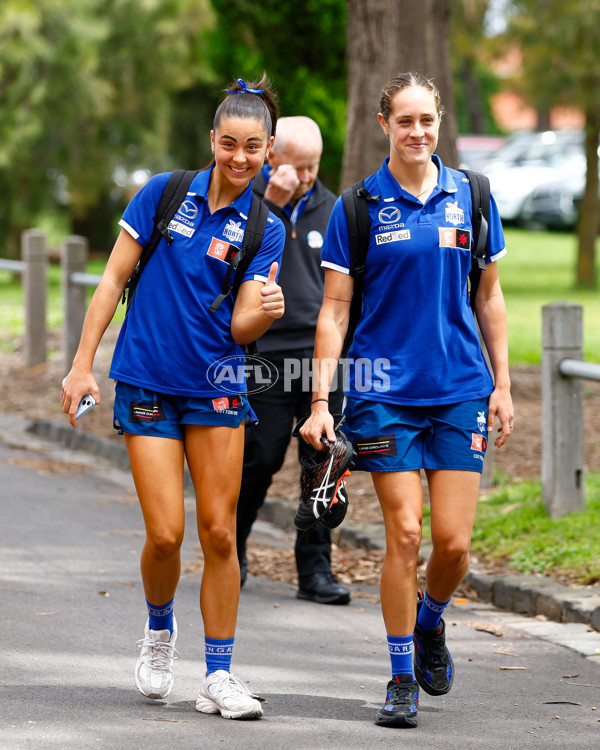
pixel 72 608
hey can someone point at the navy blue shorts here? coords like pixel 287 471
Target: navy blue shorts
pixel 138 411
pixel 389 437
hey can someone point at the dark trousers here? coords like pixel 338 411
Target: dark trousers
pixel 265 447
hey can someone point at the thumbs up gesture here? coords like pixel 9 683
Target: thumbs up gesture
pixel 272 302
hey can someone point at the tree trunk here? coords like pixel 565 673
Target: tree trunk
pixel 475 113
pixel 384 38
pixel 587 227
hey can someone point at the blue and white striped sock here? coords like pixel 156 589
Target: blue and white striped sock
pixel 430 612
pixel 161 617
pixel 218 653
pixel 401 654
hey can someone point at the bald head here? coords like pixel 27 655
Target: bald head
pixel 300 129
pixel 298 143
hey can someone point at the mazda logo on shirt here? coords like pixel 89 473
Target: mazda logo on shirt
pixel 389 215
pixel 189 209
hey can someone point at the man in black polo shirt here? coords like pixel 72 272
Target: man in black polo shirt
pixel 290 187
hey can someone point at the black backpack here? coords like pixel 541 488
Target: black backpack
pixel 173 196
pixel 356 198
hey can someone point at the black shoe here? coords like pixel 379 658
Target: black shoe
pixel 434 668
pixel 322 588
pixel 323 474
pixel 401 703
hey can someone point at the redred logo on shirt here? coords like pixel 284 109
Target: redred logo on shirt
pixel 221 250
pixel 478 442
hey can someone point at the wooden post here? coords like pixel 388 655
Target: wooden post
pixel 33 254
pixel 562 411
pixel 73 254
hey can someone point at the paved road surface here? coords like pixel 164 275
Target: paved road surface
pixel 72 608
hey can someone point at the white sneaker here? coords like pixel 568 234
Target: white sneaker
pixel 221 692
pixel 154 668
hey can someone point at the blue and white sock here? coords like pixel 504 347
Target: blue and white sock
pixel 401 654
pixel 430 612
pixel 218 652
pixel 161 617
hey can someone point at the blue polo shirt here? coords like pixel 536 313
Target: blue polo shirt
pixel 169 338
pixel 416 342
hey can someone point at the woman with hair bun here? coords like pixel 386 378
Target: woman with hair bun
pixel 165 403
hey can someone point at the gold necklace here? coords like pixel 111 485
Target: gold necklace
pixel 426 189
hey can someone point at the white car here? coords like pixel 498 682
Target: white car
pixel 547 157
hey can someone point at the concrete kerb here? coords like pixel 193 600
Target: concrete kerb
pixel 532 595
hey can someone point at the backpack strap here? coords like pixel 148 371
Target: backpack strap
pixel 480 210
pixel 355 200
pixel 173 196
pixel 253 236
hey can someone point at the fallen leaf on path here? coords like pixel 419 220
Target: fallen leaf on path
pixel 512 668
pixel 486 627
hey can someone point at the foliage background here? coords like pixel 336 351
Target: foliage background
pixel 94 93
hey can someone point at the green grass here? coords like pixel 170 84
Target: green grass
pixel 538 269
pixel 512 526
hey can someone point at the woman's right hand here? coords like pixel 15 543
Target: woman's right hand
pixel 76 385
pixel 319 424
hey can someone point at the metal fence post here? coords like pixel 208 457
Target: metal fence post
pixel 33 255
pixel 562 411
pixel 73 255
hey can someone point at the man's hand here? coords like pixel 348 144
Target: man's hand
pixel 272 300
pixel 282 185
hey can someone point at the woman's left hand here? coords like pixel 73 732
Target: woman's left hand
pixel 272 301
pixel 501 406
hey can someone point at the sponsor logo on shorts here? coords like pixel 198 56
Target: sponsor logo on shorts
pixel 376 445
pixel 481 421
pixel 141 413
pixel 454 214
pixel 179 228
pixel 459 238
pixel 227 404
pixel 395 236
pixel 221 250
pixel 478 442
